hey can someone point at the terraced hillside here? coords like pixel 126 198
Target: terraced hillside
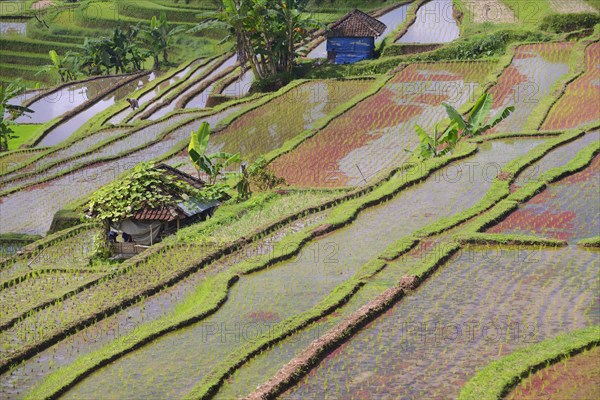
pixel 360 266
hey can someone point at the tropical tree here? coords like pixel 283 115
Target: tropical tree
pixel 120 51
pixel 7 92
pixel 136 54
pixel 211 164
pixel 265 31
pixel 94 55
pixel 159 36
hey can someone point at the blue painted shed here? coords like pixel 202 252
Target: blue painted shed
pixel 352 38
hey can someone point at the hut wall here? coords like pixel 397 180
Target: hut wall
pixel 349 50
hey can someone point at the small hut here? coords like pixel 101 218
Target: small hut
pixel 352 38
pixel 147 225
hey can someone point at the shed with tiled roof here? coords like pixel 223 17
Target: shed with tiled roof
pixel 352 38
pixel 148 224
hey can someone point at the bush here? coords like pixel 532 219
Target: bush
pixel 481 46
pixel 559 23
pixel 272 83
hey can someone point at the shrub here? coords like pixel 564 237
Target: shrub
pixel 559 23
pixel 480 46
pixel 272 83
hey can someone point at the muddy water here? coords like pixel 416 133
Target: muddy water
pixel 19 299
pixel 434 24
pixel 566 210
pixel 266 364
pixel 268 127
pixel 159 90
pixel 46 199
pixel 539 74
pixel 375 134
pixel 468 314
pixel 132 141
pixel 241 86
pixel 200 100
pixel 391 19
pixel 194 77
pixel 188 354
pixel 18 100
pixel 62 154
pixel 75 250
pixel 66 99
pixel 66 129
pixel 556 158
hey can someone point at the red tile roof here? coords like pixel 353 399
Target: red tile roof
pixel 356 24
pixel 157 214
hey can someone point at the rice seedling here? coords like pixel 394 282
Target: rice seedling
pixel 578 105
pixel 436 352
pixel 372 136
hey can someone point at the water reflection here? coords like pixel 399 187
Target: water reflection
pixel 65 130
pixel 13 28
pixel 434 24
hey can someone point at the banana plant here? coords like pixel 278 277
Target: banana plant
pixel 211 164
pixel 437 145
pixel 59 66
pixel 266 32
pixel 159 36
pixel 478 121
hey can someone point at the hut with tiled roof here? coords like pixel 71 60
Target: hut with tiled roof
pixel 143 224
pixel 352 38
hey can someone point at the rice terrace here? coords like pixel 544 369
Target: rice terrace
pixel 300 199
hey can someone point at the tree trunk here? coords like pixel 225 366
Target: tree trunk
pixel 4 143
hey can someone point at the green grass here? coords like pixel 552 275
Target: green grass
pixel 504 207
pixel 594 3
pixel 24 133
pixel 509 239
pixel 590 242
pixel 19 57
pixel 18 237
pixel 494 381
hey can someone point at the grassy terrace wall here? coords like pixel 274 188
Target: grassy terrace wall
pixel 495 381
